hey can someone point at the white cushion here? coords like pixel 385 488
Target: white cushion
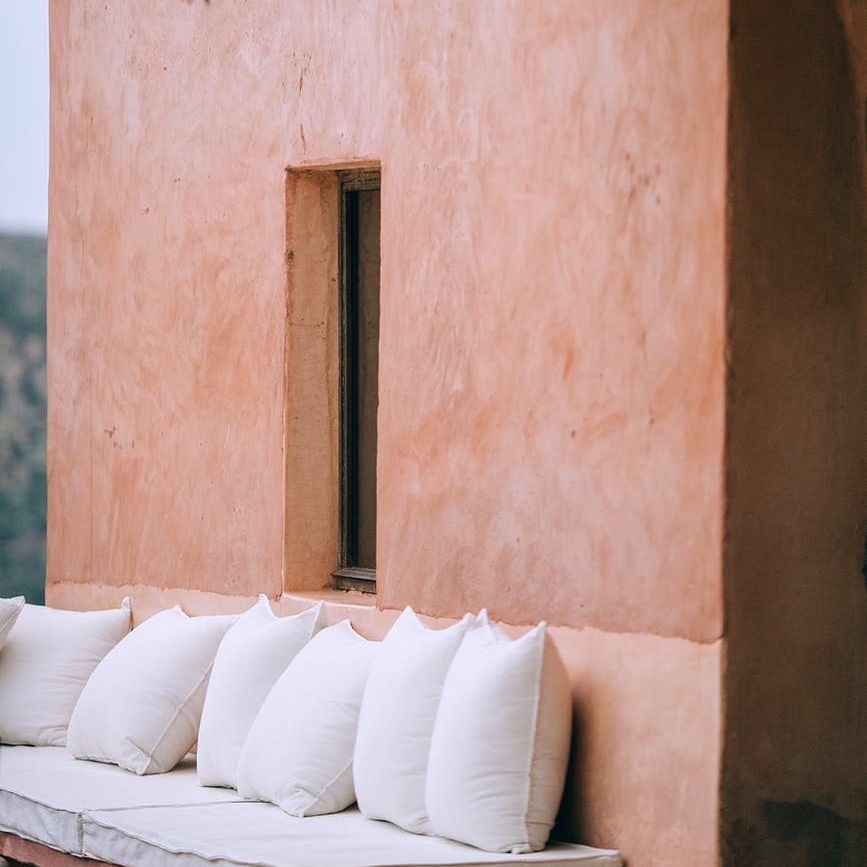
pixel 397 719
pixel 44 791
pixel 298 754
pixel 9 611
pixel 142 705
pixel 44 665
pixel 232 835
pixel 501 741
pixel 253 654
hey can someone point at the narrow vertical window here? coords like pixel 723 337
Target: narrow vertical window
pixel 359 377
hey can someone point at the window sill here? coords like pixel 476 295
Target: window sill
pixel 335 597
pixel 355 579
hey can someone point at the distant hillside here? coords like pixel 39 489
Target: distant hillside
pixel 22 416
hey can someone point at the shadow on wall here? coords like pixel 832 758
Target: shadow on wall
pixel 571 823
pixel 796 679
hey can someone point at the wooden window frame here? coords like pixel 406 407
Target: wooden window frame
pixel 349 577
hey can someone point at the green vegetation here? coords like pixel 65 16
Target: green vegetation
pixel 22 417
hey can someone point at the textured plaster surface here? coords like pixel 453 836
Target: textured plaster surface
pixel 551 388
pixel 795 767
pixel 165 323
pixel 552 353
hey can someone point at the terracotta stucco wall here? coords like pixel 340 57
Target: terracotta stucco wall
pixel 552 353
pixel 795 766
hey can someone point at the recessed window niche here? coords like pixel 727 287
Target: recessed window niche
pixel 321 504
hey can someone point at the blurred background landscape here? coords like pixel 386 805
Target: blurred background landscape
pixel 23 220
pixel 22 416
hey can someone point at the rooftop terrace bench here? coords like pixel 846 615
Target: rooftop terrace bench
pixel 96 811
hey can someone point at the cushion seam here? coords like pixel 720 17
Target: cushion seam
pixel 330 783
pixel 40 803
pixel 166 728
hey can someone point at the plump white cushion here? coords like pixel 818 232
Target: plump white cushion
pixel 501 742
pixel 397 720
pixel 298 754
pixel 142 705
pixel 253 654
pixel 44 665
pixel 9 611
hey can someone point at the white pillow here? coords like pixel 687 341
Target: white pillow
pixel 9 611
pixel 501 742
pixel 254 653
pixel 298 754
pixel 44 665
pixel 397 720
pixel 142 705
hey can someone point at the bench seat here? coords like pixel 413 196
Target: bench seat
pixel 230 835
pixel 100 812
pixel 44 792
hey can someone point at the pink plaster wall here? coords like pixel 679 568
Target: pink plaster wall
pixel 552 296
pixel 556 203
pixel 552 355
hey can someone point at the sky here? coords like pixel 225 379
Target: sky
pixel 23 116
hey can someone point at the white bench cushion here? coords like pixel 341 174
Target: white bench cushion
pixel 44 791
pixel 45 664
pixel 397 719
pixel 500 743
pixel 9 611
pixel 230 835
pixel 298 754
pixel 251 657
pixel 142 705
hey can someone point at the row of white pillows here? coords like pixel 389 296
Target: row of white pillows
pixel 458 732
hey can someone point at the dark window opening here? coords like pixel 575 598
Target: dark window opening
pixel 359 377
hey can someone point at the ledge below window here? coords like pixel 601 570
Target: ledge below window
pixel 349 578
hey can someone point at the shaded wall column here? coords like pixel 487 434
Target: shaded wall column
pixel 796 606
